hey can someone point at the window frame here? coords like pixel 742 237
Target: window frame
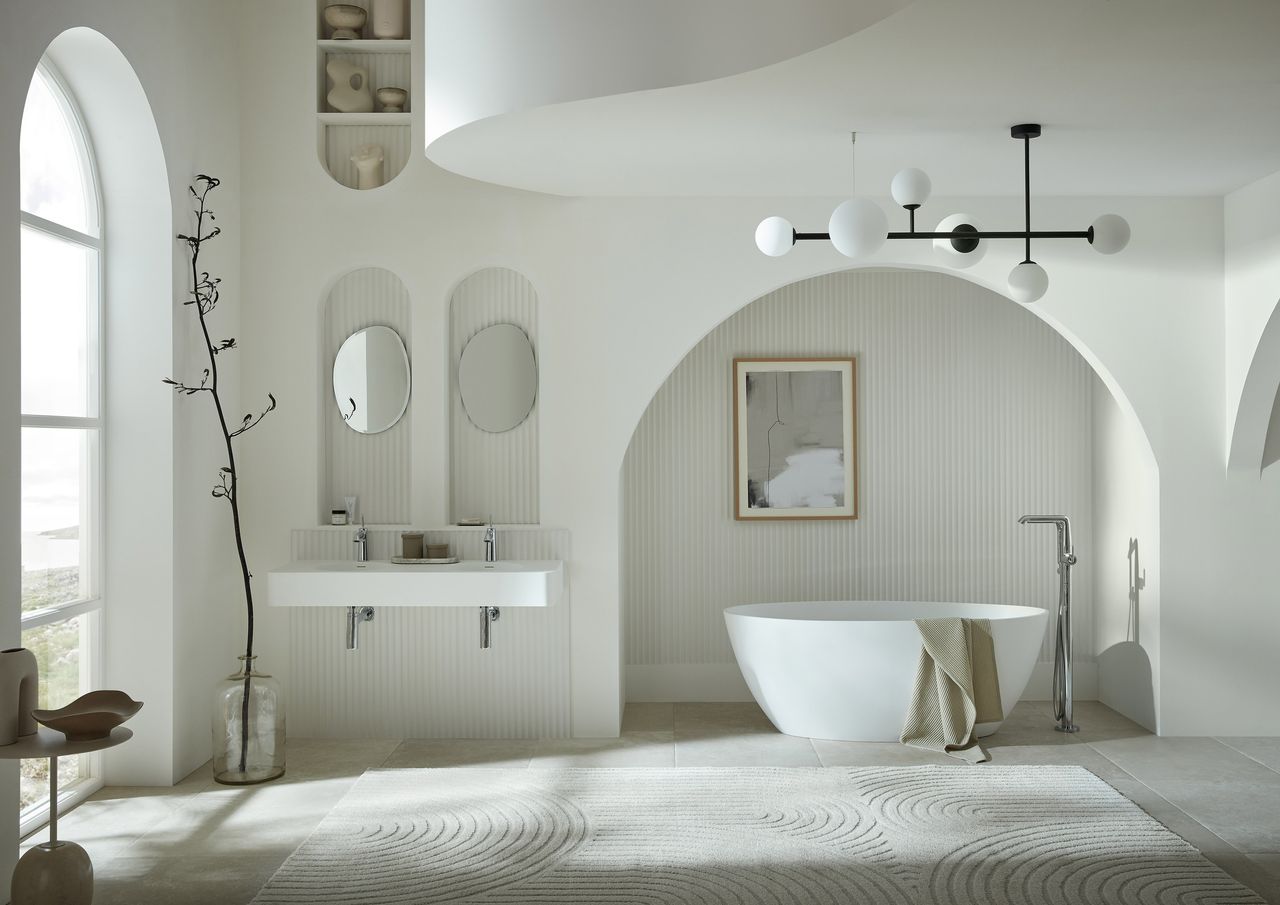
pixel 90 605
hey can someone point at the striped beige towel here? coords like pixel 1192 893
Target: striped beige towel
pixel 956 688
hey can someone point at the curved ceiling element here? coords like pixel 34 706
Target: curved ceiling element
pixel 1146 97
pixel 490 57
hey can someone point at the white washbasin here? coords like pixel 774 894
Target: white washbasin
pixel 467 583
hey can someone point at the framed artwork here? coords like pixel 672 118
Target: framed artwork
pixel 795 438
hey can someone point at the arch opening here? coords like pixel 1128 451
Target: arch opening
pixel 971 411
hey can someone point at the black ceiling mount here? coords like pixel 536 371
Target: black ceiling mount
pixel 1025 130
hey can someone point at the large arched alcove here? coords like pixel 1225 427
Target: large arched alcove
pixel 971 411
pixel 139 342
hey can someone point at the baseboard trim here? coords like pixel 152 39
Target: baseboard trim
pixel 686 682
pixel 690 682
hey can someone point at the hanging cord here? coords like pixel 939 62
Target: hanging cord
pixel 1026 186
pixel 853 164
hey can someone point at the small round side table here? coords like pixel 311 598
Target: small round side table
pixel 55 872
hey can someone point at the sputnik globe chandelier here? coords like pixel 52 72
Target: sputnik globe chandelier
pixel 858 228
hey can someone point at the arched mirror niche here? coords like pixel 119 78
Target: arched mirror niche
pixel 365 345
pixel 493 398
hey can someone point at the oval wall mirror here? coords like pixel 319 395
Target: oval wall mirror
pixel 498 378
pixel 371 379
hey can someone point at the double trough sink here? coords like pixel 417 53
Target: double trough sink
pixel 381 583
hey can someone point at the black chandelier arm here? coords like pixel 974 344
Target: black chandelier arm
pixel 1024 234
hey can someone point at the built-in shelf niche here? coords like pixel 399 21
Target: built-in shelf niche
pixel 389 63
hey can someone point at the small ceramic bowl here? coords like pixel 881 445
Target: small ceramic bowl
pixel 392 99
pixel 345 20
pixel 90 716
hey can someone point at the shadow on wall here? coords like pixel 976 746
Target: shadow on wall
pixel 1124 669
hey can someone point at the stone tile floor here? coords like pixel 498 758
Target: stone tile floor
pixel 203 844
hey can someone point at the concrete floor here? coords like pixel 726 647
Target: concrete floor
pixel 203 844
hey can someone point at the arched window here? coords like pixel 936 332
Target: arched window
pixel 62 443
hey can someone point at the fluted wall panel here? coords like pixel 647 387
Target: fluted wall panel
pixel 971 412
pixel 493 476
pixel 374 467
pixel 420 672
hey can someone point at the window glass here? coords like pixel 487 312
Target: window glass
pixel 61 650
pixel 53 171
pixel 55 471
pixel 59 298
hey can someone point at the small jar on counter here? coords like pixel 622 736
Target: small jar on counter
pixel 338 517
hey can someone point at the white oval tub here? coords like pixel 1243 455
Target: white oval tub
pixel 845 670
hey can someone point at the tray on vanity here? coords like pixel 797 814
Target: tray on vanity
pixel 409 561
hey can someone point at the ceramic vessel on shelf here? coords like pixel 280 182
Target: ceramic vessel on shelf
pixel 90 716
pixel 392 99
pixel 345 20
pixel 248 727
pixel 368 161
pixel 350 92
pixel 387 20
pixel 19 694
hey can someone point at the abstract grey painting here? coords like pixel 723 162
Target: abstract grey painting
pixel 794 432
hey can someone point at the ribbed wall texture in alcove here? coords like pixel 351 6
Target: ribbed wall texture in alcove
pixel 492 476
pixel 374 467
pixel 971 412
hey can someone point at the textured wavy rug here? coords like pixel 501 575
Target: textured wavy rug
pixel 809 836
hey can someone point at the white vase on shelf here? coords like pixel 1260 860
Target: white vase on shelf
pixel 19 694
pixel 350 92
pixel 368 162
pixel 387 19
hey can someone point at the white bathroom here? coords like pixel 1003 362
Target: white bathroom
pixel 622 452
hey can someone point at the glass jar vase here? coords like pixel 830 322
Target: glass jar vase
pixel 248 727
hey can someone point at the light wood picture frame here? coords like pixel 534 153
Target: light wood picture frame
pixel 795 452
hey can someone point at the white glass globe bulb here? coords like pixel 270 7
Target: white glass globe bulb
pixel 951 255
pixel 1028 282
pixel 858 228
pixel 911 187
pixel 1110 234
pixel 775 236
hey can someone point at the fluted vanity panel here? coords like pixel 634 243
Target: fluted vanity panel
pixel 375 467
pixel 971 412
pixel 419 671
pixel 492 476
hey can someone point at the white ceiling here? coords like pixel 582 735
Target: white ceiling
pixel 1137 97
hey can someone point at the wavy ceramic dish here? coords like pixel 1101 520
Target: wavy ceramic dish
pixel 90 716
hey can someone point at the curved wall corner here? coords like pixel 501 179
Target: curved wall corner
pixel 491 476
pixel 377 468
pixel 485 58
pixel 1254 442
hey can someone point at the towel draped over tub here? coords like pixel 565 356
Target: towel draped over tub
pixel 956 688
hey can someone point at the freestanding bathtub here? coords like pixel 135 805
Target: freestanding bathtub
pixel 846 669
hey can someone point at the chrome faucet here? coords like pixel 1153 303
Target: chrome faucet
pixel 362 544
pixel 489 614
pixel 1062 647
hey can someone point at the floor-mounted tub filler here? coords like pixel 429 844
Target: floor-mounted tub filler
pixel 846 669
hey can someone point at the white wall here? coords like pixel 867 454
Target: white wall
pixel 183 54
pixel 627 287
pixel 1126 553
pixel 971 412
